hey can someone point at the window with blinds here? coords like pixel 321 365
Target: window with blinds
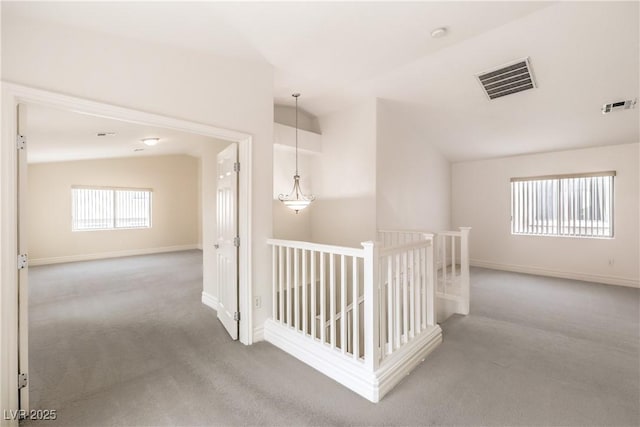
pixel 579 205
pixel 110 208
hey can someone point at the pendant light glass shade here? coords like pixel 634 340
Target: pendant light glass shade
pixel 296 199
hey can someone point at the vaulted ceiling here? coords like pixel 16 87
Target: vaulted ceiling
pixel 583 54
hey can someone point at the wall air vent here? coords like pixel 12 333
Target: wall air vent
pixel 507 79
pixel 620 105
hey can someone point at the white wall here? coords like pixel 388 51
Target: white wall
pixel 413 177
pixel 481 199
pixel 345 178
pixel 173 180
pixel 190 85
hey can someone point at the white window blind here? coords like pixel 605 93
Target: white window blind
pixel 578 205
pixel 110 208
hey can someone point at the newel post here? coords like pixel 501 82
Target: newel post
pixel 371 306
pixel 430 273
pixel 464 268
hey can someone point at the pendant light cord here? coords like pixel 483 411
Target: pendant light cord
pixel 296 96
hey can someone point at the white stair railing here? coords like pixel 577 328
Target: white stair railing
pixel 452 274
pixel 355 314
pixel 318 291
pixel 407 297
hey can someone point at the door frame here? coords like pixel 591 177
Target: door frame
pixel 14 94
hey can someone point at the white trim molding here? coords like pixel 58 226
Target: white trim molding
pixel 210 300
pixel 350 373
pixel 541 271
pixel 106 255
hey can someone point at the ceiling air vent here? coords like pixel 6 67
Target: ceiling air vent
pixel 510 78
pixel 620 105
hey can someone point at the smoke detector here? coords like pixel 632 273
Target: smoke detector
pixel 620 105
pixel 507 79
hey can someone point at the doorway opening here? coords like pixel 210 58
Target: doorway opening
pixel 235 142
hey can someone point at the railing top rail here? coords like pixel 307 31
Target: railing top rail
pixel 318 247
pixel 392 230
pixel 450 233
pixel 390 250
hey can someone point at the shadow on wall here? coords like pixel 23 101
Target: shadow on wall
pixel 344 221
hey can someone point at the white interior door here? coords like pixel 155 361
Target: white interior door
pixel 228 241
pixel 23 267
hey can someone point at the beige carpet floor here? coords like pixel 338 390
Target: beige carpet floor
pixel 127 342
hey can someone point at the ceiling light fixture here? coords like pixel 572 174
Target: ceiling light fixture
pixel 439 32
pixel 150 141
pixel 296 199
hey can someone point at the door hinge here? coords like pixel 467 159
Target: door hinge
pixel 23 261
pixel 23 380
pixel 236 242
pixel 236 316
pixel 236 167
pixel 21 142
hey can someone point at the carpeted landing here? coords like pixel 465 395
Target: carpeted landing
pixel 125 342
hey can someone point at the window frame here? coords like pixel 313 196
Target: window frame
pixel 563 205
pixel 114 191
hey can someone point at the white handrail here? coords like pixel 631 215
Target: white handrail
pixel 318 247
pixel 366 308
pixel 405 247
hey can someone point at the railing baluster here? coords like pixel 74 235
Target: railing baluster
pixel 464 269
pixel 274 282
pixel 390 304
pixel 356 311
pixel 371 307
pixel 281 283
pixel 444 265
pixel 343 304
pixel 405 300
pixel 453 259
pixel 289 287
pixel 397 305
pixel 332 299
pixel 430 292
pixel 313 315
pixel 304 292
pixel 323 300
pixel 411 271
pixel 296 284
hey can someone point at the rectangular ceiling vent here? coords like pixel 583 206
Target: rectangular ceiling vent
pixel 508 79
pixel 620 105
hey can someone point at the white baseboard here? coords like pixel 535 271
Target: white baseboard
pixel 106 255
pixel 258 333
pixel 401 363
pixel 210 301
pixel 348 372
pixel 608 280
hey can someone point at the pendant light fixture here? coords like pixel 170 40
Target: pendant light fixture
pixel 296 199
